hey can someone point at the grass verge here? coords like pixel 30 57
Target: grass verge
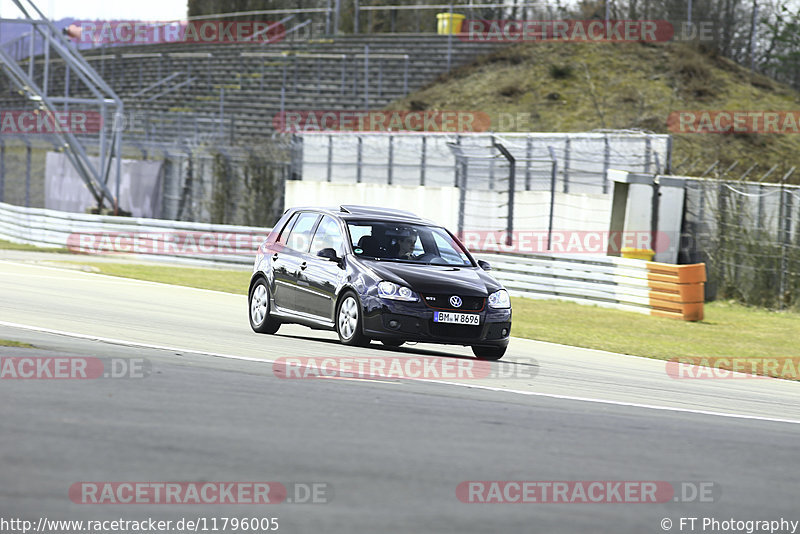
pixel 729 329
pixel 19 344
pixel 214 279
pixel 8 245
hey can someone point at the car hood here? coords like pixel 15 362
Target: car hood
pixel 437 279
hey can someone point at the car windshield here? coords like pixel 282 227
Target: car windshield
pixel 405 242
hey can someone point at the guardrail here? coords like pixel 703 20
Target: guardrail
pixel 659 289
pixel 646 287
pixel 151 239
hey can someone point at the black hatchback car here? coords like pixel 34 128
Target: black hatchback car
pixel 373 273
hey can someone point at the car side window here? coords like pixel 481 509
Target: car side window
pixel 284 237
pixel 328 235
pixel 448 250
pixel 300 237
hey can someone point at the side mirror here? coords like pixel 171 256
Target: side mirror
pixel 329 254
pixel 484 265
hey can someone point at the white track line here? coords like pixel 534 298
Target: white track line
pixel 475 386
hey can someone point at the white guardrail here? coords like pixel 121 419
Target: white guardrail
pixel 154 239
pixel 627 284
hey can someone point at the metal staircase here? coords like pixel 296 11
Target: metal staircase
pixel 95 172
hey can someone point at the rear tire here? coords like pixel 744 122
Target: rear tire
pixel 488 353
pixel 258 304
pixel 348 321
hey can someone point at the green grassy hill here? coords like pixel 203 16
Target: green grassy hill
pixel 572 87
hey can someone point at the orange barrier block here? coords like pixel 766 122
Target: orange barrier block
pixel 676 291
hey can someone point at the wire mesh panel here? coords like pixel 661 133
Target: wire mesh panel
pixel 583 159
pixel 747 234
pixel 22 164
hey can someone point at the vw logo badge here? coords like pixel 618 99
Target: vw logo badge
pixel 455 301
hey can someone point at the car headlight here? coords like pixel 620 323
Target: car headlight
pixel 389 290
pixel 499 299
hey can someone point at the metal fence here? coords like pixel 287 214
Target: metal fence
pixel 203 182
pixel 749 236
pixel 22 163
pixel 570 169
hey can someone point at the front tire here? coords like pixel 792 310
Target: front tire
pixel 258 304
pixel 488 353
pixel 348 321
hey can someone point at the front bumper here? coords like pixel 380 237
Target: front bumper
pixel 413 321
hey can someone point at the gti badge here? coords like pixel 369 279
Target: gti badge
pixel 455 301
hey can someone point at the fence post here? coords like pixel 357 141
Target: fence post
pixel 221 111
pixel 450 39
pixel 786 233
pixel 722 229
pixel 567 157
pixel 606 163
pixel 462 195
pixel 66 87
pixel 344 73
pixel 528 158
pixel 390 170
pixel 491 166
pixel 405 76
pixel 782 234
pixel 421 161
pixel 380 78
pixel 366 77
pixel 458 163
pixel 2 168
pixel 358 160
pixel 319 78
pixel 27 173
pixel 553 174
pixel 283 92
pixel 328 17
pixel 512 179
pixel 330 158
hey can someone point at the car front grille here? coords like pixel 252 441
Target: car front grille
pixel 442 302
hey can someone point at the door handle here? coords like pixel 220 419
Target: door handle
pixel 303 266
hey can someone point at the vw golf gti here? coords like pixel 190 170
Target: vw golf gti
pixel 377 274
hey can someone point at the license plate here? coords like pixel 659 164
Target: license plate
pixel 456 318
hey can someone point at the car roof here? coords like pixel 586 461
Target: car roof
pixel 355 212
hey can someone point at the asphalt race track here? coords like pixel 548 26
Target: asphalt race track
pixel 392 452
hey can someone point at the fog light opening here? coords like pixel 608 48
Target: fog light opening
pixel 504 332
pixel 394 324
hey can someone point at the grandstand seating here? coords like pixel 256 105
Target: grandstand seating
pixel 175 90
